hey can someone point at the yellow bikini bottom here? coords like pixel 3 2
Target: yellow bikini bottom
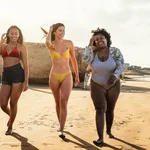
pixel 60 77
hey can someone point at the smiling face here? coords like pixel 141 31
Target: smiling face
pixel 13 35
pixel 60 32
pixel 100 41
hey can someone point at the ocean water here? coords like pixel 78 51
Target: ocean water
pixel 142 78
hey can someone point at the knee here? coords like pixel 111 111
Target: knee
pixel 3 106
pixel 100 110
pixel 13 104
pixel 109 112
pixel 63 103
pixel 57 105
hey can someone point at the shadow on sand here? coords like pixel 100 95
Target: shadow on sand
pixel 83 144
pixel 134 89
pixel 129 144
pixel 24 142
pixel 43 91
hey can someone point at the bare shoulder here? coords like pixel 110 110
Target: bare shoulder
pixel 21 46
pixel 69 43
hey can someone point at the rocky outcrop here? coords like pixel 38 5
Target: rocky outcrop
pixel 40 63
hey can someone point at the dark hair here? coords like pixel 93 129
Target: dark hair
pixel 20 39
pixel 55 27
pixel 104 33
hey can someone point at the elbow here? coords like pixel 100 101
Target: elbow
pixel 47 44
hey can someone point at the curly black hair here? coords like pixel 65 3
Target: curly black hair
pixel 104 33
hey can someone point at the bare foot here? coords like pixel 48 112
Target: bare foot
pixel 9 131
pixel 98 142
pixel 61 135
pixel 110 134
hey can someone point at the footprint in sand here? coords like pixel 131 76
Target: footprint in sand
pixel 52 127
pixel 12 144
pixel 29 128
pixel 21 127
pixel 45 144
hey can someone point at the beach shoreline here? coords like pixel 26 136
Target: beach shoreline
pixel 36 123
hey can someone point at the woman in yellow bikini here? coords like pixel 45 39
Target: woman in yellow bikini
pixel 60 79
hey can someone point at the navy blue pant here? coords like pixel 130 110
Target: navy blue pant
pixel 13 74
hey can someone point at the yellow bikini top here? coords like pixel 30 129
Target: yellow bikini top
pixel 56 55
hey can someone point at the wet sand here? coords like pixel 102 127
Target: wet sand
pixel 36 124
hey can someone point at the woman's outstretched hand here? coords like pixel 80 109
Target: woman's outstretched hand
pixel 3 37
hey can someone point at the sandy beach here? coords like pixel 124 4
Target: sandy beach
pixel 36 125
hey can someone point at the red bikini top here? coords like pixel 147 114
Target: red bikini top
pixel 13 53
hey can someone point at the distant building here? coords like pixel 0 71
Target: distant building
pixel 134 67
pixel 145 68
pixel 126 66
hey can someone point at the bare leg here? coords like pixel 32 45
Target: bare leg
pixel 98 95
pixel 15 94
pixel 55 87
pixel 4 98
pixel 66 88
pixel 112 96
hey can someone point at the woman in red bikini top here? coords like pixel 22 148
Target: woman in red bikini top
pixel 13 53
pixel 14 77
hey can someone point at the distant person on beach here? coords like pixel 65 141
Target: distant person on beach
pixel 106 64
pixel 14 76
pixel 60 79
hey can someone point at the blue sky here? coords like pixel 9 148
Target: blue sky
pixel 128 22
